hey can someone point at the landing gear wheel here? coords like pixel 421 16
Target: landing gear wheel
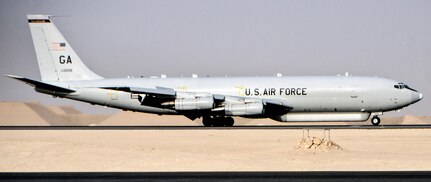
pixel 219 121
pixel 229 121
pixel 375 121
pixel 207 121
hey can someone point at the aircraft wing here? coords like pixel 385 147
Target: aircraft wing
pixel 157 92
pixel 276 106
pixel 169 98
pixel 280 104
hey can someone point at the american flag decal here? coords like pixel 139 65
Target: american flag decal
pixel 58 46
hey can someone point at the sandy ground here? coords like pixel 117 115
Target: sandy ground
pixel 197 150
pixel 211 150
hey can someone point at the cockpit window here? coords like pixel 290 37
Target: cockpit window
pixel 403 86
pixel 410 88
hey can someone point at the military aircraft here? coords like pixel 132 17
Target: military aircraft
pixel 215 99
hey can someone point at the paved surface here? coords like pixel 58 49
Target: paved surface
pixel 221 176
pixel 273 127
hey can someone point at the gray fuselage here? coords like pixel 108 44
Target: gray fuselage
pixel 309 94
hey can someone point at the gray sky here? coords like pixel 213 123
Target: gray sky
pixel 223 37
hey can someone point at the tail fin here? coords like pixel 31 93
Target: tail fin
pixel 56 58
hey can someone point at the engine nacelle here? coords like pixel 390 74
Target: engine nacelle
pixel 200 103
pixel 246 109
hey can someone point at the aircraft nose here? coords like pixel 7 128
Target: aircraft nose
pixel 416 96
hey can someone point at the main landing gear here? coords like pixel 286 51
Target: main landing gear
pixel 375 120
pixel 217 121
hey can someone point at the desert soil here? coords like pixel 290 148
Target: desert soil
pixel 211 150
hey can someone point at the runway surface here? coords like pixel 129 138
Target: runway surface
pixel 222 176
pixel 273 127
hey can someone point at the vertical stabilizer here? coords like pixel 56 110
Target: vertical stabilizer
pixel 56 58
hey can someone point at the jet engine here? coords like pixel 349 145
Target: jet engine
pixel 245 109
pixel 199 103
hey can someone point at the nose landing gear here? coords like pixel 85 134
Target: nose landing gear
pixel 375 120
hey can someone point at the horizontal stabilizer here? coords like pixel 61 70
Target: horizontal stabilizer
pixel 41 85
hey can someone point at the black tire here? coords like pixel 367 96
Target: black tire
pixel 207 121
pixel 229 121
pixel 218 121
pixel 375 121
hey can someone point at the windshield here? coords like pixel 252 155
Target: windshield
pixel 404 86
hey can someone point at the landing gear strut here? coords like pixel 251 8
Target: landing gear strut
pixel 375 120
pixel 217 121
